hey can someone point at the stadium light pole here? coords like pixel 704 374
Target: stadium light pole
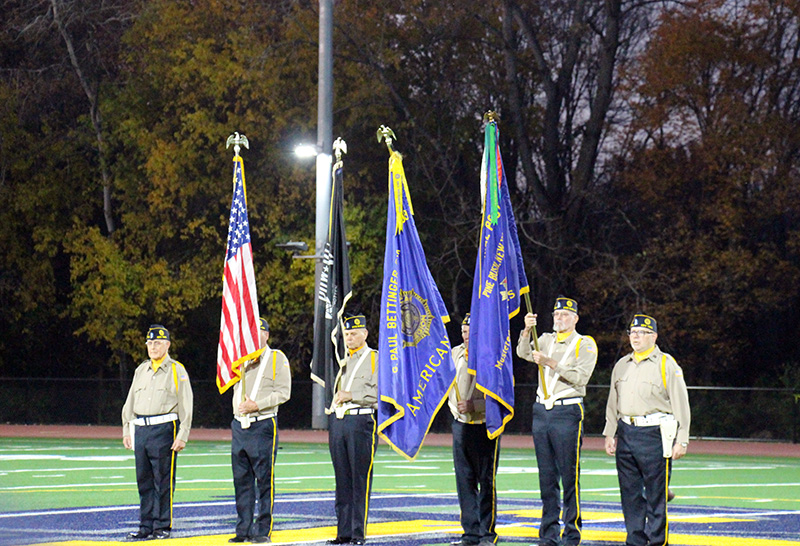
pixel 324 164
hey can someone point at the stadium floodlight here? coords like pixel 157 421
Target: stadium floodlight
pixel 306 151
pixel 294 246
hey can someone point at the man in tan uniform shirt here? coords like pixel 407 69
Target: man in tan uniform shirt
pixel 566 360
pixel 254 438
pixel 475 456
pixel 647 427
pixel 353 432
pixel 156 420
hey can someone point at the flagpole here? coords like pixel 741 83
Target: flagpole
pixel 534 335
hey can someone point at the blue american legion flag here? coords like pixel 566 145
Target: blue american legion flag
pixel 499 283
pixel 415 369
pixel 238 329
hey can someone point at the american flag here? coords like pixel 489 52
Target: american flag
pixel 238 329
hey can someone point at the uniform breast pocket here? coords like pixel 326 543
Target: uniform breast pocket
pixel 647 390
pixel 365 379
pixel 167 395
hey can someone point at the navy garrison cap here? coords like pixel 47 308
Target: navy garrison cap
pixel 566 303
pixel 465 322
pixel 644 321
pixel 356 321
pixel 157 332
pixel 263 324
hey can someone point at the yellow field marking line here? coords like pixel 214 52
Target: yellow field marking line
pixel 423 526
pixel 536 513
pixel 295 536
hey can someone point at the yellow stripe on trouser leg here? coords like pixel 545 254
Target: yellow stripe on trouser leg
pixel 272 473
pixel 369 473
pixel 578 473
pixel 494 485
pixel 172 471
pixel 666 505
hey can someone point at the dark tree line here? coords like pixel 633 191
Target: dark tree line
pixel 651 149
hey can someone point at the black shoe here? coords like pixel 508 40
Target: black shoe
pixel 161 533
pixel 260 539
pixel 358 541
pixel 338 540
pixel 237 538
pixel 141 534
pixel 670 494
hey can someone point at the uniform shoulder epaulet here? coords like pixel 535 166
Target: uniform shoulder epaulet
pixel 592 344
pixel 278 352
pixel 668 358
pixel 665 359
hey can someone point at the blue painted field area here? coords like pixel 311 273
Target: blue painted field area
pixel 81 491
pixel 394 519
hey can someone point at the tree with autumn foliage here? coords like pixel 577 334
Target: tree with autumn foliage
pixel 650 147
pixel 706 197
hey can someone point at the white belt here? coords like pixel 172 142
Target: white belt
pixel 359 411
pixel 563 401
pixel 253 419
pixel 155 419
pixel 651 420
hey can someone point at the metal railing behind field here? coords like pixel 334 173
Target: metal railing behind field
pixel 717 412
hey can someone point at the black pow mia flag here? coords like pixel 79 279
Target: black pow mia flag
pixel 334 291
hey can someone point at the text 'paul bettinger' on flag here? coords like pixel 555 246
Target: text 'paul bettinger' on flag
pixel 499 284
pixel 334 291
pixel 238 329
pixel 415 369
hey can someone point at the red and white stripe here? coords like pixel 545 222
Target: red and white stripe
pixel 238 330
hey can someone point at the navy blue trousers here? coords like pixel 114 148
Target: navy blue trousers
pixel 475 459
pixel 253 452
pixel 644 475
pixel 352 444
pixel 155 474
pixel 558 437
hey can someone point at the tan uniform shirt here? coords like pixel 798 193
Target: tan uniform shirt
pixel 464 389
pixel 574 369
pixel 165 390
pixel 364 387
pixel 640 389
pixel 275 387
